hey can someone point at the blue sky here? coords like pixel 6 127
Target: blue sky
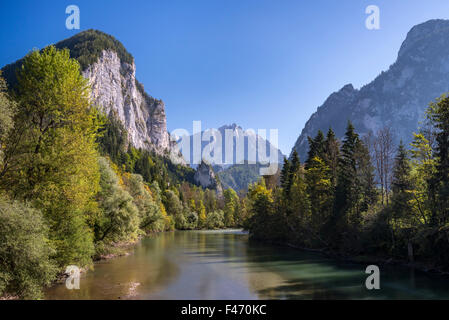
pixel 258 63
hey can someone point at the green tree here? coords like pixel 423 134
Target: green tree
pixel 149 210
pixel 7 111
pixel 175 208
pixel 365 185
pixel 118 219
pixel 345 196
pixel 215 220
pixel 438 114
pixel 320 192
pixel 331 155
pixel 265 223
pixel 316 148
pixel 52 157
pixel 25 264
pixel 285 176
pixel 201 215
pixel 231 200
pixel 401 185
pixel 422 170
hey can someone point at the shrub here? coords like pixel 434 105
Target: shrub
pixel 215 220
pixel 25 264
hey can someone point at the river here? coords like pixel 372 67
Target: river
pixel 225 265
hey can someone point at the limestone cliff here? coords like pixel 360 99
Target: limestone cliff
pixel 116 91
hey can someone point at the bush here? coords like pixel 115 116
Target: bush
pixel 149 211
pixel 215 220
pixel 25 265
pixel 119 217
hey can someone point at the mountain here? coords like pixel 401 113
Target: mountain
pixel 249 140
pixel 238 176
pixel 111 72
pixel 232 174
pixel 396 98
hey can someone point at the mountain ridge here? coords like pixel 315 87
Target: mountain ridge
pixel 397 97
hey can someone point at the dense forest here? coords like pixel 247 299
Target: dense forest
pixel 363 197
pixel 72 188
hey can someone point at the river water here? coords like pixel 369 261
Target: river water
pixel 224 265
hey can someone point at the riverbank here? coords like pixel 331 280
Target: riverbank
pixel 365 259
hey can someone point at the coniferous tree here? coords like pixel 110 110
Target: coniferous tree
pixel 316 148
pixel 344 197
pixel 401 184
pixel 331 155
pixel 439 185
pixel 365 186
pixel 285 176
pixel 295 163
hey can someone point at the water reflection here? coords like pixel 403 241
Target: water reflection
pixel 224 265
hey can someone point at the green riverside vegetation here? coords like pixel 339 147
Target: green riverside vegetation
pixel 332 203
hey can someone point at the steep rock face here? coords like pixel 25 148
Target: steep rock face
pixel 397 97
pixel 115 90
pixel 205 177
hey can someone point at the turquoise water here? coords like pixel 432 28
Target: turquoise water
pixel 225 265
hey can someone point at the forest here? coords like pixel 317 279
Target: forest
pixel 363 198
pixel 72 188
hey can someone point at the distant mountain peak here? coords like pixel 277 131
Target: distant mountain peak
pixel 233 126
pixel 423 31
pixel 250 140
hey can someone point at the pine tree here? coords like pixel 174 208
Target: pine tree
pixel 331 155
pixel 295 163
pixel 401 184
pixel 316 148
pixel 344 198
pixel 285 176
pixel 346 192
pixel 365 187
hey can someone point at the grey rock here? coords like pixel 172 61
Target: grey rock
pixel 116 92
pixel 205 177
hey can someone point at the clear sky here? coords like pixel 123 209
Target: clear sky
pixel 262 64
